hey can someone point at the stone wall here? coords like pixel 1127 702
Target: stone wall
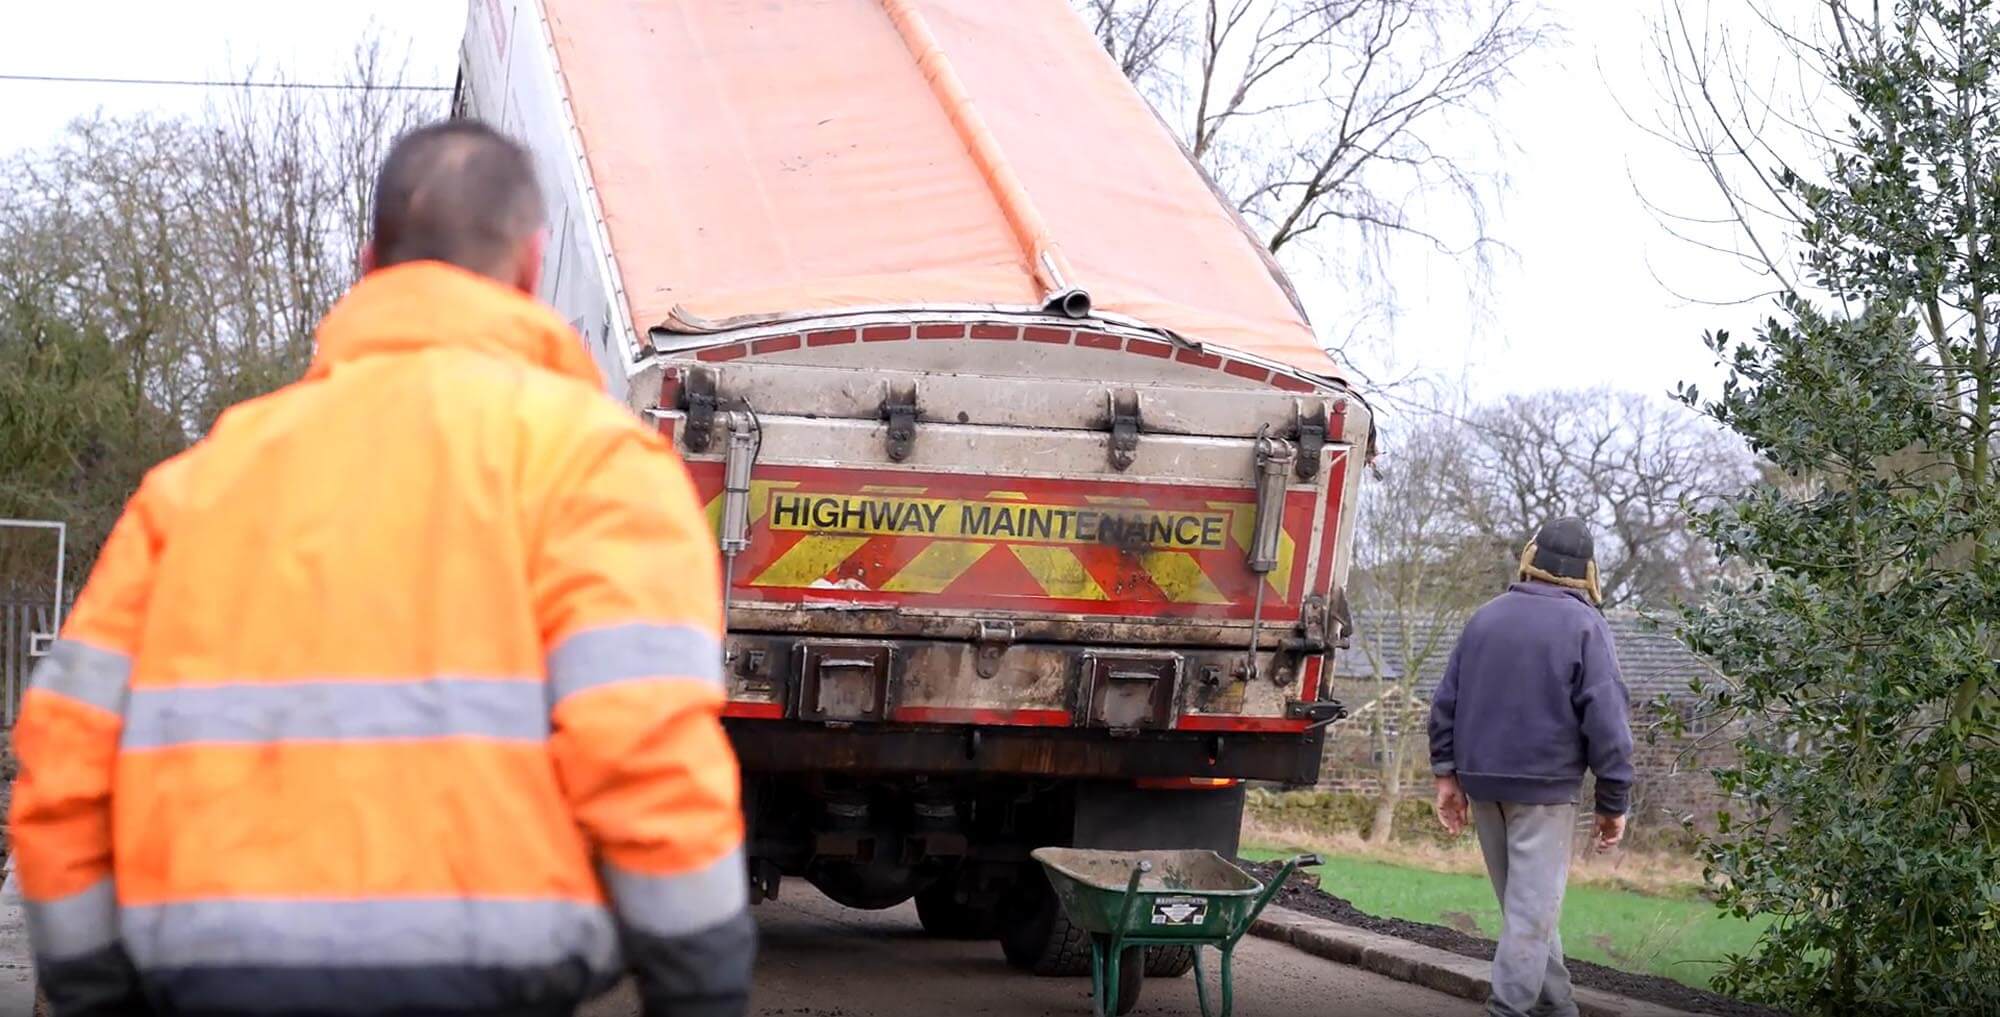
pixel 1673 780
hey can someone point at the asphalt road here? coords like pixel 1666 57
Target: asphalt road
pixel 822 960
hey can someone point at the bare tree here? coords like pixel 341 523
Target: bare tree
pixel 1139 34
pixel 1632 466
pixel 1417 572
pixel 155 270
pixel 1314 115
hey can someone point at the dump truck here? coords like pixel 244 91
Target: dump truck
pixel 1033 485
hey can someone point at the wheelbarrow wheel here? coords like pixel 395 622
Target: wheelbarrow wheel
pixel 1131 974
pixel 1039 938
pixel 1169 961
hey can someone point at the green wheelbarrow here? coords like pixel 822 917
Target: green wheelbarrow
pixel 1130 899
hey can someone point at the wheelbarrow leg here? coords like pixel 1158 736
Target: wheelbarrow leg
pixel 1228 1001
pixel 1105 956
pixel 1100 986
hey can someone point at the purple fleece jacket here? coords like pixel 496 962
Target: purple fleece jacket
pixel 1531 696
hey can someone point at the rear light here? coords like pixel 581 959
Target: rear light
pixel 1187 783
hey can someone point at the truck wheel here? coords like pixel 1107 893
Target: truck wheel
pixel 1038 937
pixel 1169 961
pixel 944 916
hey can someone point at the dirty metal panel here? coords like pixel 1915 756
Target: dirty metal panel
pixel 941 681
pixel 991 451
pixel 1084 547
pixel 965 397
pixel 941 684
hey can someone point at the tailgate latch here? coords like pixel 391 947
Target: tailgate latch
pixel 994 638
pixel 698 402
pixel 899 408
pixel 1124 405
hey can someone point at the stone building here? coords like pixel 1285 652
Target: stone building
pixel 1673 770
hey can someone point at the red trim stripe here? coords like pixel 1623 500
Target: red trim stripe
pixel 1245 370
pixel 757 711
pixel 1224 722
pixel 721 353
pixel 980 715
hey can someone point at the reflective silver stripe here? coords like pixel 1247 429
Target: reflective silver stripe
pixel 86 674
pixel 267 712
pixel 74 926
pixel 357 933
pixel 620 653
pixel 681 904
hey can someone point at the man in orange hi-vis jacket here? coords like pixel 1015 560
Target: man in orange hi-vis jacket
pixel 398 693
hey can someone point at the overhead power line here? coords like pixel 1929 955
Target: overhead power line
pixel 197 83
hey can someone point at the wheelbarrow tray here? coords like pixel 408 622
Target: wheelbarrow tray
pixel 1188 895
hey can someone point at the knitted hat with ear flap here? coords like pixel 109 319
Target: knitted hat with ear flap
pixel 1563 554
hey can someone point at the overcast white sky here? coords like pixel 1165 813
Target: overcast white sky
pixel 1576 304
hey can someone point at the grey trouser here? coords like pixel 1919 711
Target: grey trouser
pixel 1527 851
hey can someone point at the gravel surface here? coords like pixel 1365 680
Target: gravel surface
pixel 1300 895
pixel 819 959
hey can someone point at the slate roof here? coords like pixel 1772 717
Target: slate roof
pixel 1653 661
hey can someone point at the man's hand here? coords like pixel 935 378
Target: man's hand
pixel 1451 805
pixel 1610 830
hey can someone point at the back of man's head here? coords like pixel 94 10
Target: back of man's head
pixel 459 192
pixel 1563 553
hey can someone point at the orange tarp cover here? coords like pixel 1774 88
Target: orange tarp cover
pixel 760 158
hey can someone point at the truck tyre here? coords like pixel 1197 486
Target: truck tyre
pixel 1169 961
pixel 944 916
pixel 1038 937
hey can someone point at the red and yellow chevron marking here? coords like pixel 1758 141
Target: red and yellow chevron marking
pixel 1087 547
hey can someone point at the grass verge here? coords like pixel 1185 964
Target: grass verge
pixel 1681 937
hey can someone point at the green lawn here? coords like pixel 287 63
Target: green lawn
pixel 1680 939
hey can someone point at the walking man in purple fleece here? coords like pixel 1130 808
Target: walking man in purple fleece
pixel 1530 698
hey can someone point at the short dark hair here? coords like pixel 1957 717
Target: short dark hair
pixel 458 192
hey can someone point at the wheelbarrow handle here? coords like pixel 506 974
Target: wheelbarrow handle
pixel 1271 890
pixel 1139 872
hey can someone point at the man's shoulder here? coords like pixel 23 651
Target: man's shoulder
pixel 1508 610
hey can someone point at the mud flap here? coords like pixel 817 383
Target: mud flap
pixel 1122 817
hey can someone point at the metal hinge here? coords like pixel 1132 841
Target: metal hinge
pixel 1309 431
pixel 1312 628
pixel 899 408
pixel 698 401
pixel 1124 423
pixel 990 646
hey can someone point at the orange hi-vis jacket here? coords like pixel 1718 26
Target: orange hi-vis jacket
pixel 398 693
